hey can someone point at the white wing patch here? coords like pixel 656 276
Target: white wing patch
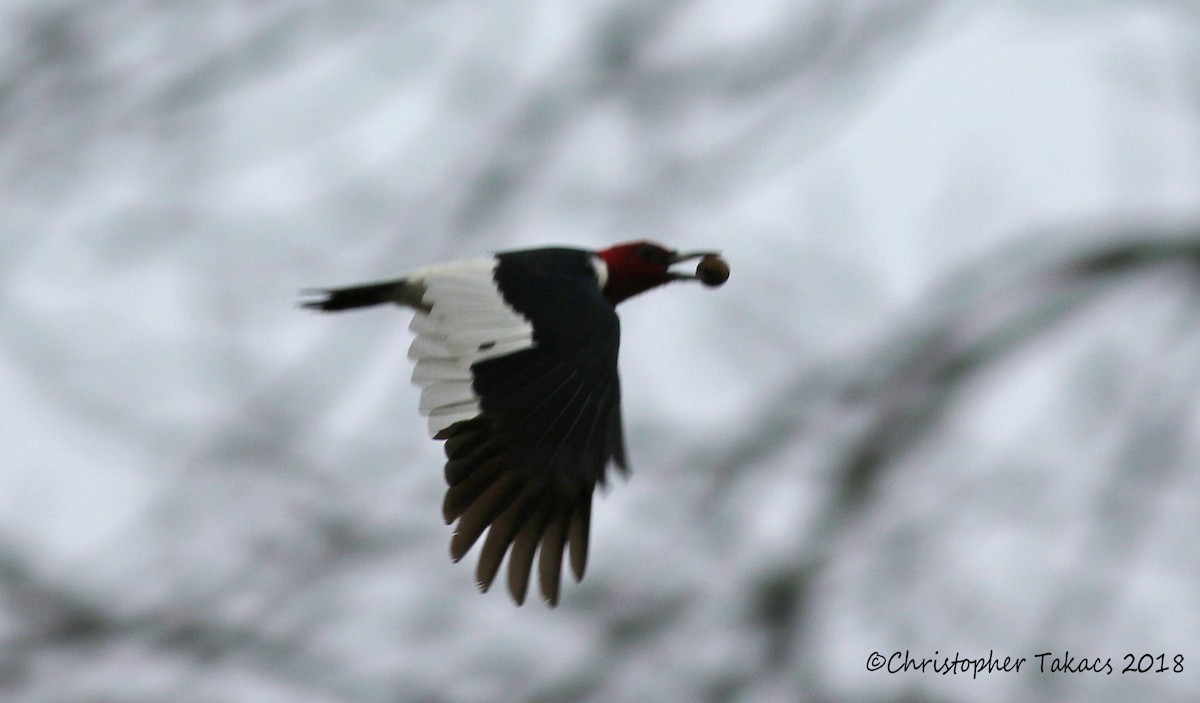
pixel 468 321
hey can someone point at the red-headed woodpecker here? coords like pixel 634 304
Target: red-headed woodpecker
pixel 516 356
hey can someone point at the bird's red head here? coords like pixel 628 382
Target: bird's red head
pixel 636 267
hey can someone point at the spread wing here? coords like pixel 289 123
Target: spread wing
pixel 528 401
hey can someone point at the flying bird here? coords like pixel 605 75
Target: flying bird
pixel 516 357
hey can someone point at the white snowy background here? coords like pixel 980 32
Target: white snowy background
pixel 946 403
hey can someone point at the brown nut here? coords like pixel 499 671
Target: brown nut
pixel 712 270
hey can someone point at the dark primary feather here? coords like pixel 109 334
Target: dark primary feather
pixel 550 422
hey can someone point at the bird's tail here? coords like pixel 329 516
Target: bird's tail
pixel 335 299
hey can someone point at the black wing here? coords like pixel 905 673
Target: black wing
pixel 549 422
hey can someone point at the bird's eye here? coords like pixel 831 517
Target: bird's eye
pixel 653 254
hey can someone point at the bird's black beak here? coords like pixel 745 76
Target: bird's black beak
pixel 678 257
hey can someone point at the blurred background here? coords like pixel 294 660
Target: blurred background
pixel 946 403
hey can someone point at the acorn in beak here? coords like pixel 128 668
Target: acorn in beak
pixel 711 270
